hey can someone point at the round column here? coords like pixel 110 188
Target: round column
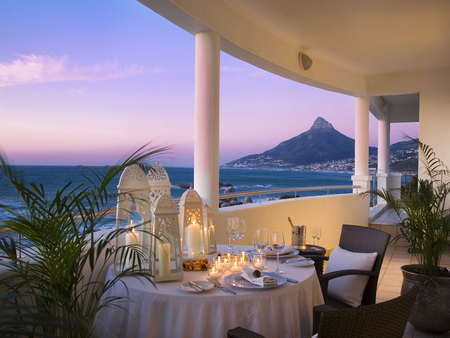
pixel 361 177
pixel 206 125
pixel 383 146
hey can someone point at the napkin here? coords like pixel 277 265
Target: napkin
pixel 287 249
pixel 261 281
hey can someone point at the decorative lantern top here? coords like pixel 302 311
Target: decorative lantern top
pixel 158 176
pixel 165 205
pixel 133 178
pixel 190 197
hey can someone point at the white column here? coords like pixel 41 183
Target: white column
pixel 361 176
pixel 384 129
pixel 206 126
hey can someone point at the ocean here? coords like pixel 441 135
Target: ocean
pixel 54 177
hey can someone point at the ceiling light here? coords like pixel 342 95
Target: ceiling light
pixel 304 61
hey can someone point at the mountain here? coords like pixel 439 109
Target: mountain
pixel 321 143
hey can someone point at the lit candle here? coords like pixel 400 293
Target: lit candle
pixel 235 267
pixel 164 259
pixel 214 273
pixel 132 238
pixel 193 240
pixel 257 264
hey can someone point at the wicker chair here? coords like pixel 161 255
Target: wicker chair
pixel 383 320
pixel 356 239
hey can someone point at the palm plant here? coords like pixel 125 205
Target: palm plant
pixel 426 226
pixel 53 288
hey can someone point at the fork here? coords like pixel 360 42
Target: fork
pixel 218 285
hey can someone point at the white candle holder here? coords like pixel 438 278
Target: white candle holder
pixel 167 259
pixel 210 231
pixel 192 226
pixel 159 183
pixel 133 189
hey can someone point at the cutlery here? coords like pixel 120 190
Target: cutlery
pixel 197 286
pixel 217 284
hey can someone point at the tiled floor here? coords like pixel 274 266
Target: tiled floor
pixel 391 278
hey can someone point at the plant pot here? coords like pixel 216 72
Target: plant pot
pixel 431 311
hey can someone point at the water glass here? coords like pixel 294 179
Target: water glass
pixel 241 230
pixel 233 229
pixel 277 244
pixel 260 240
pixel 314 233
pixel 259 261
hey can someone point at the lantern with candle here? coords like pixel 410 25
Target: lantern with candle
pixel 133 190
pixel 210 231
pixel 192 225
pixel 167 260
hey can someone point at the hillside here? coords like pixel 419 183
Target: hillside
pixel 321 143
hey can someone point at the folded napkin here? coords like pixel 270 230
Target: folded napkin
pixel 261 281
pixel 287 249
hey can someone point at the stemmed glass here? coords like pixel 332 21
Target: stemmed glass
pixel 260 240
pixel 314 234
pixel 277 244
pixel 241 230
pixel 318 235
pixel 233 229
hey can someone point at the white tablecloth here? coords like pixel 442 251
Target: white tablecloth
pixel 168 311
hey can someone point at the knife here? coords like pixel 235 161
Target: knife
pixel 197 286
pixel 298 260
pixel 287 278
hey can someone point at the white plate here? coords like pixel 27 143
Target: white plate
pixel 237 281
pixel 307 262
pixel 288 255
pixel 185 286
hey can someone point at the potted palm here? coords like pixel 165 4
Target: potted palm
pixel 54 287
pixel 426 228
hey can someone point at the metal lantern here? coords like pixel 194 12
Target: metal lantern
pixel 159 182
pixel 192 225
pixel 210 231
pixel 133 189
pixel 167 258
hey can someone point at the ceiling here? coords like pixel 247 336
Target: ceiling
pixel 365 36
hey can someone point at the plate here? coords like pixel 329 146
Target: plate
pixel 206 285
pixel 288 255
pixel 237 281
pixel 307 262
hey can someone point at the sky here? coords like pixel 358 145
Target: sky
pixel 89 81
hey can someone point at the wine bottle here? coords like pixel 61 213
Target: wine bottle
pixel 290 221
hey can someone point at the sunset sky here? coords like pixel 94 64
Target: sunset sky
pixel 85 82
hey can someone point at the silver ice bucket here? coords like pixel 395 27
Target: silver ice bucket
pixel 299 237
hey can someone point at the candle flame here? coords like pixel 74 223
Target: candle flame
pixel 132 230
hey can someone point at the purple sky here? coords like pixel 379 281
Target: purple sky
pixel 85 82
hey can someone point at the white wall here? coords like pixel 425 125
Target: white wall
pixel 328 212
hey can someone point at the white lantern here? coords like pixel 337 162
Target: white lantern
pixel 159 182
pixel 167 259
pixel 192 225
pixel 133 189
pixel 210 231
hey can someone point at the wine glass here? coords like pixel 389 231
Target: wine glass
pixel 241 230
pixel 318 235
pixel 260 240
pixel 233 229
pixel 314 233
pixel 277 244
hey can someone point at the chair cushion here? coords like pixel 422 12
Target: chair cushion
pixel 349 289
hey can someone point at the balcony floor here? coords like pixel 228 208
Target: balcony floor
pixel 391 278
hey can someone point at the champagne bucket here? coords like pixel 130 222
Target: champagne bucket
pixel 299 237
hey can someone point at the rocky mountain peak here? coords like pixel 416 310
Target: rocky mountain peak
pixel 321 124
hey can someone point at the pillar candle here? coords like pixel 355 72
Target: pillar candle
pixel 164 259
pixel 193 240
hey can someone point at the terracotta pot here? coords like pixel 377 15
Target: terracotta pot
pixel 431 311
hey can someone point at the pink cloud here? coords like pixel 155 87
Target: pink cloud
pixel 44 68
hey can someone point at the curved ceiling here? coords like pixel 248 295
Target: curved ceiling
pixel 365 36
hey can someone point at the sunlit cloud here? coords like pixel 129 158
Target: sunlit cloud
pixel 44 68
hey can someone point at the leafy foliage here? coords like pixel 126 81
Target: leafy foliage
pixel 54 288
pixel 427 223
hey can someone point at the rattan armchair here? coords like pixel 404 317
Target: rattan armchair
pixel 356 239
pixel 383 320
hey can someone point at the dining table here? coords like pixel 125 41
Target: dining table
pixel 167 310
